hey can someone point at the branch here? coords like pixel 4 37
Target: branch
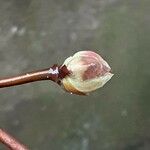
pixel 10 141
pixel 54 73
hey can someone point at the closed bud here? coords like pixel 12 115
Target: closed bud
pixel 88 72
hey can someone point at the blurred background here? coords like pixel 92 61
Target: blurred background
pixel 34 34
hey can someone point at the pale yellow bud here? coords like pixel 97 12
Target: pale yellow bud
pixel 88 72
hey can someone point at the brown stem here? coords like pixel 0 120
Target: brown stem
pixel 10 141
pixel 54 73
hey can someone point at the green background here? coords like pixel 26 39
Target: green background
pixel 35 34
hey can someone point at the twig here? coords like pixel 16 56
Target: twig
pixel 10 141
pixel 54 73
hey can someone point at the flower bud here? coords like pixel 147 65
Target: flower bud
pixel 88 72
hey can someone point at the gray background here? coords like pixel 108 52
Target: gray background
pixel 35 34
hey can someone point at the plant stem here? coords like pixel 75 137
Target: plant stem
pixel 54 73
pixel 10 141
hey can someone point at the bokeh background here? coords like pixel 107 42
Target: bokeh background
pixel 35 34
